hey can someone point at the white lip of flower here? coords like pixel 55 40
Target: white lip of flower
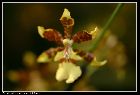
pixel 66 14
pixel 68 71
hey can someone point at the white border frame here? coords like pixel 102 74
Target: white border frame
pixel 36 92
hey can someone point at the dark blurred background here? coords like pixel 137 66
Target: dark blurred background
pixel 20 34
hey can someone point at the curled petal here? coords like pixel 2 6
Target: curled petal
pixel 96 63
pixel 65 14
pixel 66 19
pixel 85 36
pixel 94 33
pixel 81 36
pixel 41 31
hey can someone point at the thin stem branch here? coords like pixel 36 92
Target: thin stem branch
pixel 106 26
pixel 96 42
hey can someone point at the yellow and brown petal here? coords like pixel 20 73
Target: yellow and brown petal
pixel 50 34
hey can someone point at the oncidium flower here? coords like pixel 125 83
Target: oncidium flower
pixel 65 55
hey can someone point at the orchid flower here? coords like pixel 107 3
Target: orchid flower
pixel 65 55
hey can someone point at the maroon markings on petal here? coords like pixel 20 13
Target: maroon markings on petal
pixel 53 35
pixel 67 60
pixel 89 57
pixel 86 55
pixel 81 36
pixel 67 22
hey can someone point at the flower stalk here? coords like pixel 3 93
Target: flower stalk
pixel 106 26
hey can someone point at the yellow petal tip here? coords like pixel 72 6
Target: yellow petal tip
pixel 41 30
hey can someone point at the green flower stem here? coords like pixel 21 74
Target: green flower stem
pixel 110 20
pixel 96 42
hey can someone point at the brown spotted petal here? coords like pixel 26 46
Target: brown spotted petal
pixel 66 18
pixel 81 36
pixel 67 22
pixel 68 26
pixel 48 55
pixel 53 35
pixel 86 55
